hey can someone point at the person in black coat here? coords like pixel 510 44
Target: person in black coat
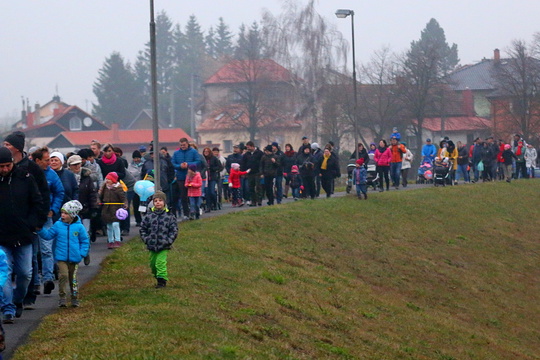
pixel 328 165
pixel 252 160
pixel 308 171
pixel 109 162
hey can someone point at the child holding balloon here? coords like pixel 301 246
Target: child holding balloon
pixel 113 198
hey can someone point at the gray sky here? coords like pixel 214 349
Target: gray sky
pixel 63 43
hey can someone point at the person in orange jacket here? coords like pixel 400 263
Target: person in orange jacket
pixel 398 150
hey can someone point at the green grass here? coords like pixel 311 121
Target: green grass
pixel 438 273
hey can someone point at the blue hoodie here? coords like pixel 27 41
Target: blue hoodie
pixel 56 188
pixel 71 240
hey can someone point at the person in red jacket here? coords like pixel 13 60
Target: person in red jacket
pixel 382 158
pixel 398 150
pixel 194 191
pixel 235 184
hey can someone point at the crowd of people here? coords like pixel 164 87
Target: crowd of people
pixel 49 198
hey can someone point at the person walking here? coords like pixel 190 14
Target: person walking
pixel 328 166
pixel 270 165
pixel 382 158
pixel 181 159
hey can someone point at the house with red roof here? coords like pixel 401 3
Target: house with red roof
pixel 127 140
pixel 250 99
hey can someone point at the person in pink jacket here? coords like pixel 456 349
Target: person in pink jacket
pixel 382 158
pixel 194 188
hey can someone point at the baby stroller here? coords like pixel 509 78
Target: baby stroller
pixel 425 172
pixel 350 167
pixel 372 175
pixel 442 173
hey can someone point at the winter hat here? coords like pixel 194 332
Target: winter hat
pixel 192 167
pixel 235 166
pixel 136 154
pixel 294 169
pixel 507 147
pixel 160 195
pixel 72 208
pixel 5 155
pixel 16 139
pixel 275 144
pixel 268 148
pixel 85 153
pixel 142 148
pixel 113 176
pixel 74 160
pixel 58 155
pixel 315 146
pixel 360 161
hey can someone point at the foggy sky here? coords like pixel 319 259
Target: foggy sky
pixel 63 43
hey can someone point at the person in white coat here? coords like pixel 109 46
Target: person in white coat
pixel 406 164
pixel 530 160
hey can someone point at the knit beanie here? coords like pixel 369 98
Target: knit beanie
pixel 235 166
pixel 16 139
pixel 360 161
pixel 5 155
pixel 113 176
pixel 160 195
pixel 294 169
pixel 58 155
pixel 192 167
pixel 72 208
pixel 315 146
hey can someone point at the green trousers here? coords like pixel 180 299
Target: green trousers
pixel 158 264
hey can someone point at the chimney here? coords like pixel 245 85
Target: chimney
pixel 468 103
pixel 496 56
pixel 115 132
pixel 37 114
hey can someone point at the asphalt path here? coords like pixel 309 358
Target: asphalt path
pixel 18 333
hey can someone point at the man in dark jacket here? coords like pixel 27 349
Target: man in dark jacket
pixel 21 203
pixel 252 160
pixel 270 165
pixel 280 156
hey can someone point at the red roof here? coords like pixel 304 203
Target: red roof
pixel 457 123
pixel 241 71
pixel 236 118
pixel 83 138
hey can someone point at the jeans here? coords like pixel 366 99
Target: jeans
pixel 19 261
pixel 279 188
pixel 395 173
pixel 464 172
pixel 47 258
pixel 295 192
pixel 211 195
pixel 113 231
pixel 361 189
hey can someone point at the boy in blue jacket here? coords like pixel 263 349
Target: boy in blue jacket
pixel 70 247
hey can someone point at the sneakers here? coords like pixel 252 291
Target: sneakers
pixel 87 260
pixel 8 319
pixel 62 303
pixel 117 244
pixel 48 287
pixel 19 310
pixel 161 283
pixel 110 245
pixel 37 289
pixel 75 303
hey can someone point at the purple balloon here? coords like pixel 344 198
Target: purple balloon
pixel 121 214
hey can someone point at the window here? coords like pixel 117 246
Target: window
pixel 75 123
pixel 227 146
pixel 208 142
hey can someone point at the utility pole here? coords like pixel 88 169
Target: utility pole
pixel 155 122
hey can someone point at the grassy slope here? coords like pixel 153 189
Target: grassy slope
pixel 427 274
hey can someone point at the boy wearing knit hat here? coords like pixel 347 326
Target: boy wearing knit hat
pixel 360 179
pixel 72 245
pixel 158 231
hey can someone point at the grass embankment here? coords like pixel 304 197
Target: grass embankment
pixel 438 273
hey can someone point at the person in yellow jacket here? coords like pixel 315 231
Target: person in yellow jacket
pixel 450 151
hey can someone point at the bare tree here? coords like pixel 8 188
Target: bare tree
pixel 379 104
pixel 302 40
pixel 517 100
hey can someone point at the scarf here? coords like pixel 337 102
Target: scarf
pixel 290 153
pixel 518 151
pixel 325 161
pixel 110 161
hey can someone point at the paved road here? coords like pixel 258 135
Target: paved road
pixel 17 333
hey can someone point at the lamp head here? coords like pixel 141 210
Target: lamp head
pixel 343 13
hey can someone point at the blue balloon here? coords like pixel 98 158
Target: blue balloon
pixel 144 188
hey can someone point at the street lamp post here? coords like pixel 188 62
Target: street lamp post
pixel 342 14
pixel 155 123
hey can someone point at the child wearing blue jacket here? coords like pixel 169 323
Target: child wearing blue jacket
pixel 70 247
pixel 360 179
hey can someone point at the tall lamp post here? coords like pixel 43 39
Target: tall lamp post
pixel 342 14
pixel 155 123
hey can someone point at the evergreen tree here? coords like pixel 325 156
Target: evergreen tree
pixel 250 44
pixel 119 98
pixel 223 41
pixel 210 40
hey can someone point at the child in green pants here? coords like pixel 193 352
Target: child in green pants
pixel 158 231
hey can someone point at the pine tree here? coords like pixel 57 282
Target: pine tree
pixel 250 44
pixel 119 98
pixel 210 41
pixel 223 41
